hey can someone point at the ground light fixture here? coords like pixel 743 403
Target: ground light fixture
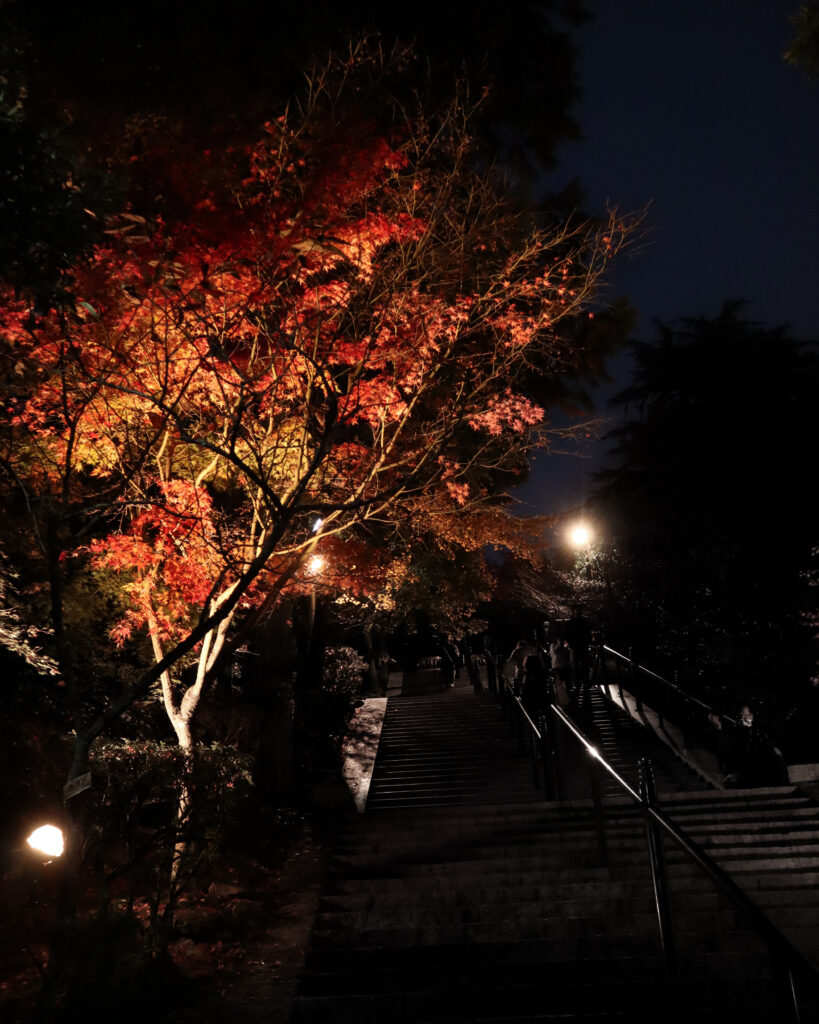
pixel 47 839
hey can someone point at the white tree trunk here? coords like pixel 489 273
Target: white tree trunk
pixel 181 713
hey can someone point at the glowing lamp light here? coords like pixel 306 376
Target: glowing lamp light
pixel 580 536
pixel 317 525
pixel 315 564
pixel 47 839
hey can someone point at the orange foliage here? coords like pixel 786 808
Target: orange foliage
pixel 334 328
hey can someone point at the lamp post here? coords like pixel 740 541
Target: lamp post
pixel 314 567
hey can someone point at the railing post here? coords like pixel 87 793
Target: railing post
pixel 658 870
pixel 503 698
pixel 491 675
pixel 547 753
pixel 635 687
pixel 597 802
pixel 474 673
pixel 599 671
pixel 556 734
pixel 519 724
pixel 535 769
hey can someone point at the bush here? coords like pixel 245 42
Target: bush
pixel 333 702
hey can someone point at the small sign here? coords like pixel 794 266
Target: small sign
pixel 78 785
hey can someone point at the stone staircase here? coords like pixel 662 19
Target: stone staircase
pixel 462 896
pixel 446 746
pixel 451 747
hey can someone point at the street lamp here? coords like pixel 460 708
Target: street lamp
pixel 47 839
pixel 314 565
pixel 580 536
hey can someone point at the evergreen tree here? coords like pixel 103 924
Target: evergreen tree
pixel 707 498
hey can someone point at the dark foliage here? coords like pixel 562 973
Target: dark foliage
pixel 804 49
pixel 215 64
pixel 708 498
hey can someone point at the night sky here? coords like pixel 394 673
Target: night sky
pixel 691 108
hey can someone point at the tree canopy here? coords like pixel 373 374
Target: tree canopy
pixel 329 339
pixel 804 49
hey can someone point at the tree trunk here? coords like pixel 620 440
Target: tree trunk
pixel 183 810
pixel 308 623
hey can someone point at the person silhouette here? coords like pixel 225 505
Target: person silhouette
pixel 578 636
pixel 535 686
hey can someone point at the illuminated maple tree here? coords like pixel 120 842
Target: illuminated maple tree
pixel 330 337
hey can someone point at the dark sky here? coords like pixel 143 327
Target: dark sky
pixel 691 108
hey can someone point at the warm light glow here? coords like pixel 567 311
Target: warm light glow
pixel 47 839
pixel 316 564
pixel 594 752
pixel 580 536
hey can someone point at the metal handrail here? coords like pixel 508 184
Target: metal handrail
pixel 774 759
pixel 667 682
pixel 785 956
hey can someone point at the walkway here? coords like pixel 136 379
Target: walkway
pixel 450 746
pixel 461 896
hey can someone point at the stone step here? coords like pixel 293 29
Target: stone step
pixel 731 854
pixel 573 915
pixel 464 896
pixel 729 801
pixel 352 894
pixel 562 901
pixel 542 955
pixel 460 970
pixel 579 833
pixel 699 929
pixel 592 881
pixel 408 929
pixel 447 966
pixel 764 831
pixel 487 1003
pixel 420 798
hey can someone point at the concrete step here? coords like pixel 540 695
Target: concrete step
pixel 487 1003
pixel 544 955
pixel 360 894
pixel 728 802
pixel 374 929
pixel 530 820
pixel 548 858
pixel 763 831
pixel 463 896
pixel 567 900
pixel 393 970
pixel 532 885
